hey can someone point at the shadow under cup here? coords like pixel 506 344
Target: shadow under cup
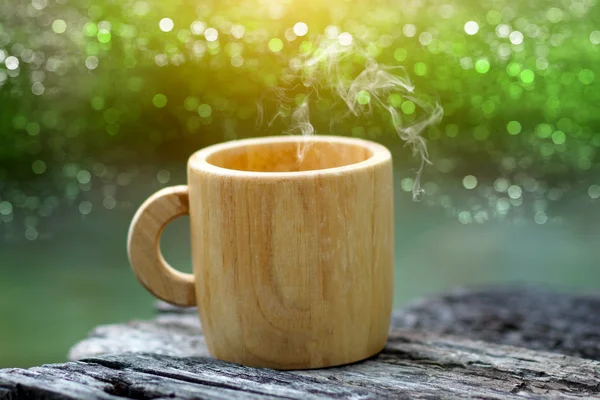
pixel 292 249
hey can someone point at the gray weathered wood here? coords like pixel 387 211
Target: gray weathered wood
pixel 421 359
pixel 526 317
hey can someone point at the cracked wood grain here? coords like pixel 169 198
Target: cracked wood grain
pixel 432 352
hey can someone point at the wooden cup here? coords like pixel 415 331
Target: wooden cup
pixel 292 248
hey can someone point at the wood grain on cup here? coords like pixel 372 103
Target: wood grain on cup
pixel 292 245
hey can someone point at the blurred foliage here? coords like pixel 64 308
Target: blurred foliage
pixel 90 91
pixel 102 101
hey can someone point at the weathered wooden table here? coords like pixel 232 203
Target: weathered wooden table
pixel 492 344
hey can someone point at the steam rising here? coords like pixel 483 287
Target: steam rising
pixel 332 67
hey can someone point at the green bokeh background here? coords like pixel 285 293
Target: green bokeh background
pixel 100 107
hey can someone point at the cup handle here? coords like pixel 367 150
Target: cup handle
pixel 143 247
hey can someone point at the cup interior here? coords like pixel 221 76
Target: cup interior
pixel 289 156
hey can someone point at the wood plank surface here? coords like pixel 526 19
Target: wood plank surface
pixel 434 351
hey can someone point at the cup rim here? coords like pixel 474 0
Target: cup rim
pixel 198 160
